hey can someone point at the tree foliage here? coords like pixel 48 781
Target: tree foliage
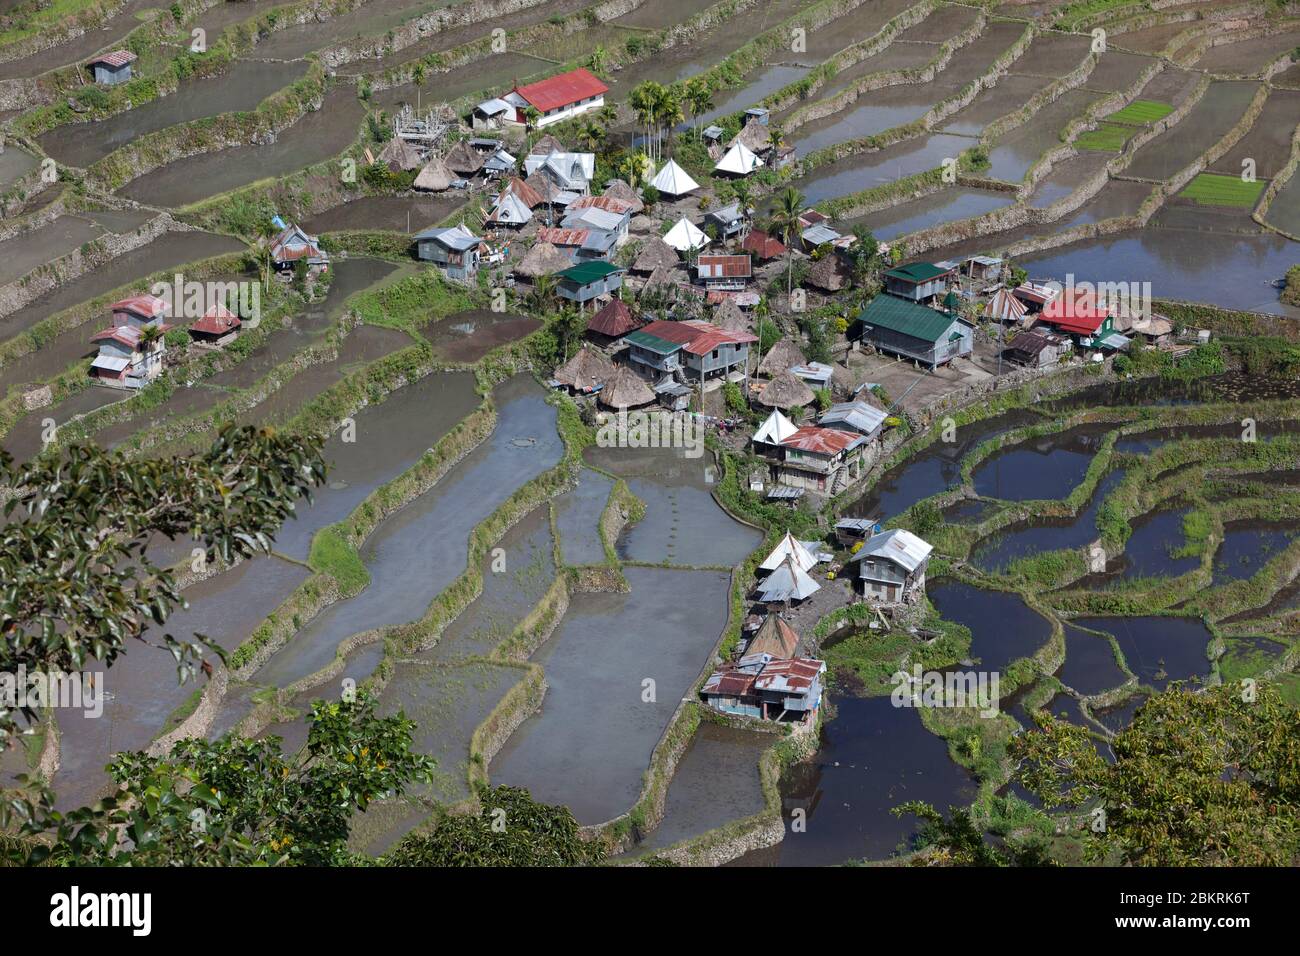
pixel 78 581
pixel 1200 778
pixel 233 802
pixel 510 829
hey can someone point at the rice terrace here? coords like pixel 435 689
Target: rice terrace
pixel 629 433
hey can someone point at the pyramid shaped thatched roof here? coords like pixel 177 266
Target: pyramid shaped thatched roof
pixel 786 391
pixel 619 189
pixel 585 370
pixel 828 274
pixel 654 255
pixel 543 259
pixel 755 136
pixel 661 277
pixel 435 177
pixel 614 319
pixel 546 145
pixel 775 637
pixel 728 316
pixel 464 161
pixel 785 354
pixel 400 155
pixel 626 390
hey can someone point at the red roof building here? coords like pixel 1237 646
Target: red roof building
pixel 608 203
pixel 217 323
pixel 139 310
pixel 1077 313
pixel 697 336
pixel 114 59
pixel 558 236
pixel 822 441
pixel 559 97
pixel 724 272
pixel 614 320
pixel 763 246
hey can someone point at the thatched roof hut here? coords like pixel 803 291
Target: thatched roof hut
pixel 661 278
pixel 755 136
pixel 786 391
pixel 829 274
pixel 399 155
pixel 626 390
pixel 545 145
pixel 434 178
pixel 785 354
pixel 543 259
pixel 728 316
pixel 463 160
pixel 654 255
pixel 618 189
pixel 585 371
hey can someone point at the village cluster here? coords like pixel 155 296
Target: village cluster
pixel 549 224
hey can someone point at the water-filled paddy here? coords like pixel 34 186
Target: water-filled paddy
pixel 1157 649
pixel 1025 539
pixel 468 336
pixel 395 213
pixel 947 205
pixel 418 551
pixel 1248 546
pixel 591 743
pixel 577 518
pixel 1090 665
pixel 241 88
pixel 26 437
pixel 1003 627
pixel 873 757
pixel 1213 115
pixel 1046 467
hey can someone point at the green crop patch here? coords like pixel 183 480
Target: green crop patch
pixel 1108 137
pixel 1213 189
pixel 1141 112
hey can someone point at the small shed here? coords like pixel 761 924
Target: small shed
pixel 455 250
pixel 217 326
pixel 112 68
pixel 917 281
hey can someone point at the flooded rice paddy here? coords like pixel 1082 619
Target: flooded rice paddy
pixel 1157 649
pixel 1003 627
pixel 468 336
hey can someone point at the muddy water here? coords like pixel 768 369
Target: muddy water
pixel 948 205
pixel 1116 70
pixel 1066 177
pixel 868 170
pixel 395 213
pixel 362 346
pixel 493 74
pixel 933 470
pixel 315 137
pixel 77 48
pixel 448 39
pixel 142 686
pixel 242 88
pixel 1053 54
pixel 389 438
pixel 1248 546
pixel 873 757
pixel 759 84
pixel 63 235
pixel 1268 143
pixel 1024 539
pixel 15 163
pixel 577 518
pixel 510 592
pixel 1205 124
pixel 863 21
pixel 1010 93
pixel 447 703
pixel 182 403
pixel 683 525
pixel 1248 56
pixel 1046 467
pixel 25 438
pixel 1158 649
pixel 415 554
pixel 1179 264
pixel 468 336
pixel 1090 666
pixel 1284 212
pixel 716 782
pixel 881 110
pixel 165 252
pixel 350 276
pixel 1013 154
pixel 1003 627
pixel 371 19
pixel 589 750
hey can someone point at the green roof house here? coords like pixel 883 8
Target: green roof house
pixel 587 280
pixel 918 281
pixel 913 331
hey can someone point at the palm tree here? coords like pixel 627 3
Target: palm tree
pixel 785 223
pixel 741 190
pixel 699 97
pixel 642 101
pixel 670 111
pixel 598 60
pixel 590 134
pixel 532 116
pixel 543 294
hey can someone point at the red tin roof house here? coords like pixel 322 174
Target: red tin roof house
pixel 558 98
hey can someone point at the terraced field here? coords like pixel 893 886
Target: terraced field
pixel 946 130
